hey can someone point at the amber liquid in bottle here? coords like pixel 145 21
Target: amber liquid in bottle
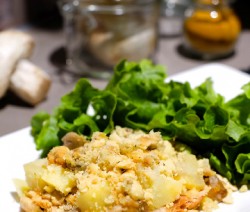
pixel 211 29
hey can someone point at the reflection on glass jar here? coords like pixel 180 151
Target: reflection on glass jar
pixel 100 33
pixel 172 14
pixel 211 29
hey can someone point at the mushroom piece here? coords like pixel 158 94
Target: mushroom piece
pixel 72 140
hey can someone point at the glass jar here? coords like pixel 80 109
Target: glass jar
pixel 172 14
pixel 211 29
pixel 100 33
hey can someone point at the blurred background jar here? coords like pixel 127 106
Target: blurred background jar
pixel 100 33
pixel 5 15
pixel 211 30
pixel 172 15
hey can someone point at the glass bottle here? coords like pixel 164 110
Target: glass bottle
pixel 211 29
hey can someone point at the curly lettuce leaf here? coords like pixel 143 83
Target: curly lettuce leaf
pixel 71 115
pixel 239 107
pixel 47 137
pixel 37 122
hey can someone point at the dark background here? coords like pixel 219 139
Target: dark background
pixel 45 13
pixel 242 9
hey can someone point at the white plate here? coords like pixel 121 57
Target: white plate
pixel 18 148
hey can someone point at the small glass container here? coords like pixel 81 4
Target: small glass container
pixel 172 15
pixel 100 33
pixel 211 30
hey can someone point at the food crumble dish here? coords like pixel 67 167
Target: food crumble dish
pixel 216 72
pixel 126 171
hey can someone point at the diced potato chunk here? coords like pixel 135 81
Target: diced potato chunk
pixel 34 172
pixel 188 169
pixel 21 187
pixel 165 191
pixel 93 199
pixel 59 179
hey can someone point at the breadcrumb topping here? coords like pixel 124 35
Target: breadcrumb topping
pixel 128 170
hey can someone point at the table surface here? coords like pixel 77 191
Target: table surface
pixel 15 115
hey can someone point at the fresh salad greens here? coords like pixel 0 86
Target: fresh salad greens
pixel 138 97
